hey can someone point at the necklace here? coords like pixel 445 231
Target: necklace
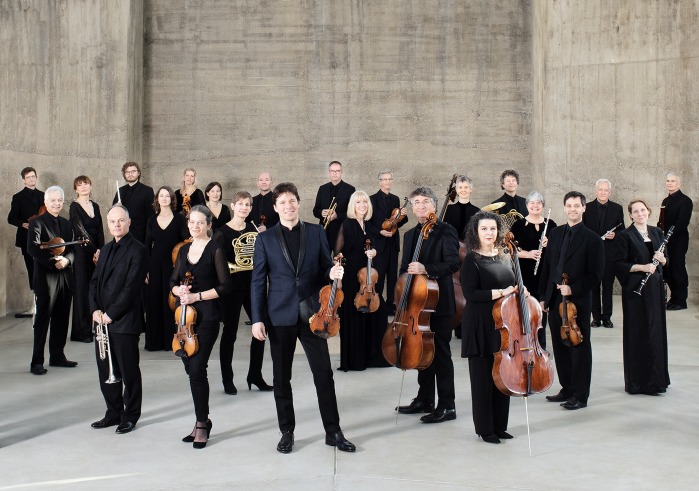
pixel 644 234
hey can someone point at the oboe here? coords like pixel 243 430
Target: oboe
pixel 655 261
pixel 541 242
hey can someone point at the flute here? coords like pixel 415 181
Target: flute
pixel 655 261
pixel 541 241
pixel 118 193
pixel 604 235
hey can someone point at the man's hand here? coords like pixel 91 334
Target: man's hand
pixel 258 331
pixel 416 268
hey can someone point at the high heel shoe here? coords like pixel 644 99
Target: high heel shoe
pixel 490 438
pixel 206 427
pixel 230 389
pixel 190 438
pixel 260 383
pixel 503 435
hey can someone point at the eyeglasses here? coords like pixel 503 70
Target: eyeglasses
pixel 332 171
pixel 131 172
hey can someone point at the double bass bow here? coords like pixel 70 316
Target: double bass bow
pixel 408 341
pixel 367 300
pixel 326 323
pixel 184 341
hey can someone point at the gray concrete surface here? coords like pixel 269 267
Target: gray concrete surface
pixel 618 442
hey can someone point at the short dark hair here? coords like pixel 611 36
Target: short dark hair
pixel 335 162
pixel 574 194
pixel 80 180
pixel 285 187
pixel 131 164
pixel 472 241
pixel 173 200
pixel 508 172
pixel 210 186
pixel 27 170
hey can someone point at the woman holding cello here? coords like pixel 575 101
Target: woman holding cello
pixel 360 332
pixel 486 276
pixel 205 260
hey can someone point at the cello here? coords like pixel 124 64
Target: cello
pixel 184 341
pixel 408 341
pixel 570 332
pixel 326 323
pixel 367 300
pixel 521 366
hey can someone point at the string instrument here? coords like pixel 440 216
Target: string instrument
pixel 186 204
pixel 331 210
pixel 184 341
pixel 176 249
pixel 408 341
pixel 391 223
pixel 263 221
pixel 57 246
pixel 42 210
pixel 521 366
pixel 655 261
pixel 326 323
pixel 570 332
pixel 366 299
pixel 541 241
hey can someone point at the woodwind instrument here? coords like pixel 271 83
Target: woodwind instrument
pixel 655 261
pixel 118 192
pixel 331 210
pixel 604 235
pixel 541 241
pixel 104 348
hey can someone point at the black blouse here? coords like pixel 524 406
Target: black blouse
pixel 223 218
pixel 225 237
pixel 458 215
pixel 197 198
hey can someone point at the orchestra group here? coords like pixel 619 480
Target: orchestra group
pixel 179 263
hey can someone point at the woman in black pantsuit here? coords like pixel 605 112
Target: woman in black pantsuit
pixel 486 275
pixel 206 261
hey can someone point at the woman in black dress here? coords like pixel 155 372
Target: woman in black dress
pixel 486 275
pixel 214 194
pixel 189 189
pixel 459 213
pixel 87 222
pixel 527 232
pixel 163 232
pixel 240 280
pixel 360 333
pixel 645 328
pixel 206 261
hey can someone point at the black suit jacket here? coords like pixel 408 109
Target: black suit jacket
pixel 678 212
pixel 630 249
pixel 615 216
pixel 24 204
pixel 584 263
pixel 323 199
pixel 47 279
pixel 116 288
pixel 138 199
pixel 263 205
pixel 440 256
pixel 380 213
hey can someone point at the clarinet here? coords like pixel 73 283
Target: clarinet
pixel 655 261
pixel 541 242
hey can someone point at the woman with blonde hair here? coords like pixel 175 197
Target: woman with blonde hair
pixel 188 194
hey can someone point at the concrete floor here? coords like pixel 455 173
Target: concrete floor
pixel 618 442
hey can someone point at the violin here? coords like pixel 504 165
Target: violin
pixel 521 366
pixel 184 341
pixel 408 341
pixel 366 299
pixel 570 332
pixel 57 246
pixel 263 221
pixel 186 204
pixel 326 323
pixel 42 210
pixel 391 223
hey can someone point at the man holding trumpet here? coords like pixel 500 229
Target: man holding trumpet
pixel 115 303
pixel 331 202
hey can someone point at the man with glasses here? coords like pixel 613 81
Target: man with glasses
pixel 335 193
pixel 25 205
pixel 137 198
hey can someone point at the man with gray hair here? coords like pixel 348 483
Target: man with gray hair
pixel 676 210
pixel 52 282
pixel 604 217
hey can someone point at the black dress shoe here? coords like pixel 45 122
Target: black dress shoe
pixel 503 435
pixel 595 323
pixel 37 369
pixel 439 416
pixel 63 363
pixel 608 323
pixel 338 440
pixel 417 406
pixel 560 397
pixel 286 443
pixel 674 306
pixel 490 438
pixel 574 404
pixel 125 427
pixel 104 423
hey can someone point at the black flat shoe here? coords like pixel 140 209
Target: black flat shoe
pixel 417 406
pixel 104 423
pixel 608 323
pixel 190 438
pixel 490 438
pixel 574 404
pixel 63 363
pixel 560 397
pixel 286 443
pixel 37 369
pixel 674 306
pixel 259 383
pixel 338 440
pixel 439 416
pixel 503 435
pixel 125 427
pixel 595 323
pixel 230 389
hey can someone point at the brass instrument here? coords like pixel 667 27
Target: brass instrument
pixel 493 206
pixel 244 248
pixel 104 349
pixel 331 210
pixel 509 218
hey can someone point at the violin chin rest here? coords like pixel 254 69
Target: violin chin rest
pixel 181 353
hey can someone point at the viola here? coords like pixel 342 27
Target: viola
pixel 186 204
pixel 57 246
pixel 326 323
pixel 521 366
pixel 366 299
pixel 184 341
pixel 408 341
pixel 42 210
pixel 392 222
pixel 570 332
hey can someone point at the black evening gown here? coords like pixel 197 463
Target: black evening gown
pixel 160 320
pixel 83 267
pixel 360 333
pixel 197 198
pixel 223 218
pixel 645 328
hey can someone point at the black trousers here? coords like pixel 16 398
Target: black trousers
pixel 83 268
pixel 51 309
pixel 387 266
pixel 573 363
pixel 231 316
pixel 195 366
pixel 282 343
pixel 29 263
pixel 124 397
pixel 676 271
pixel 602 310
pixel 491 408
pixel 440 373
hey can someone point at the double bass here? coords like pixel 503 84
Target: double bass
pixel 408 341
pixel 521 366
pixel 184 341
pixel 367 300
pixel 326 323
pixel 570 332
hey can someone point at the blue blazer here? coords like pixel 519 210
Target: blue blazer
pixel 279 290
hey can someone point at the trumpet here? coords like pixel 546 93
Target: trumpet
pixel 104 349
pixel 331 210
pixel 244 248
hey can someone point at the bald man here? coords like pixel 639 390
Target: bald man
pixel 263 204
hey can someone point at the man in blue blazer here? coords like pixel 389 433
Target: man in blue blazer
pixel 291 263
